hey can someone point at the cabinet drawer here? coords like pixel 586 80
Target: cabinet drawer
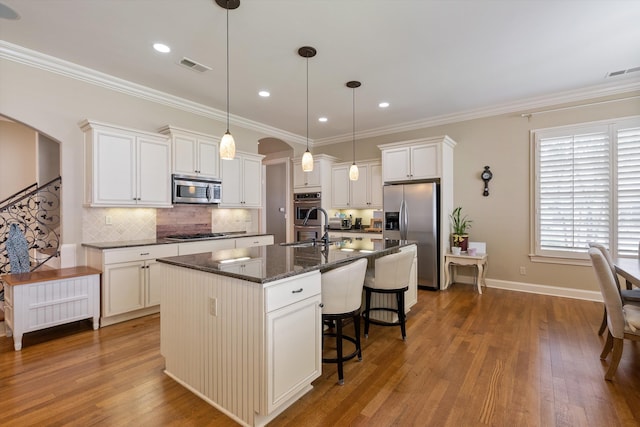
pixel 205 246
pixel 292 291
pixel 248 242
pixel 139 253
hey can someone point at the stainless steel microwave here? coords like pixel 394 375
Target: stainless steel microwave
pixel 195 190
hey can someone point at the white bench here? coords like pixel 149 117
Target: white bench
pixel 42 299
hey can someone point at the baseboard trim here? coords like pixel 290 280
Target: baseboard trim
pixel 545 290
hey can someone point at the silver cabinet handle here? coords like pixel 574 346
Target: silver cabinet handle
pixel 144 253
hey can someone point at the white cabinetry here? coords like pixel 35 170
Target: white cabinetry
pixel 317 180
pixel 403 163
pixel 294 328
pixel 126 167
pixel 249 242
pixel 130 280
pixel 189 248
pixel 365 193
pixel 193 153
pixel 430 159
pixel 242 181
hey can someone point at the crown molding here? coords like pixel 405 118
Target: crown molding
pixel 496 110
pixel 55 65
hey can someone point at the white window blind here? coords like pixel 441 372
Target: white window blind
pixel 628 191
pixel 587 189
pixel 574 191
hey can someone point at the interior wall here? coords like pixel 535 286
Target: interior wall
pixel 48 159
pixel 17 143
pixel 54 105
pixel 502 219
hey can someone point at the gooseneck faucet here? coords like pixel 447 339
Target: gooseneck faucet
pixel 325 236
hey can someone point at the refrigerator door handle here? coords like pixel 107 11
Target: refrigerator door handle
pixel 403 220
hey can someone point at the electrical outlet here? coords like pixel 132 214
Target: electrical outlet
pixel 523 271
pixel 107 220
pixel 213 306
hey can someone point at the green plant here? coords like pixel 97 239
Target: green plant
pixel 459 224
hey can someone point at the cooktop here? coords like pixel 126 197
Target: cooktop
pixel 196 236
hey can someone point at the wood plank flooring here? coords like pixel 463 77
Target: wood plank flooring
pixel 498 359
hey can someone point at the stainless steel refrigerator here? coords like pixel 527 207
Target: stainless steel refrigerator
pixel 411 213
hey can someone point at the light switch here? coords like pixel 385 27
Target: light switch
pixel 107 220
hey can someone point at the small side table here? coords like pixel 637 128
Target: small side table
pixel 479 260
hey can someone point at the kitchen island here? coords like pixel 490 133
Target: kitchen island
pixel 242 328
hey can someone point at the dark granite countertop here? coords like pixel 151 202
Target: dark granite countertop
pixel 356 230
pixel 163 241
pixel 275 262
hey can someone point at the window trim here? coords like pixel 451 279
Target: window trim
pixel 612 125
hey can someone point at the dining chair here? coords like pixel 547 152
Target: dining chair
pixel 629 296
pixel 623 320
pixel 341 299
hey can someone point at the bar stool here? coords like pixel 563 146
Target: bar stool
pixel 341 299
pixel 391 276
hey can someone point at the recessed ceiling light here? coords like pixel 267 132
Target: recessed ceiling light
pixel 323 119
pixel 383 105
pixel 264 94
pixel 162 48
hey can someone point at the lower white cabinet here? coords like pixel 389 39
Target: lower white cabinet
pixel 130 280
pixel 249 242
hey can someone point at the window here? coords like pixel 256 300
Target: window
pixel 587 189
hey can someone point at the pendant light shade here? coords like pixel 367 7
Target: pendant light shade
pixel 228 144
pixel 354 174
pixel 307 158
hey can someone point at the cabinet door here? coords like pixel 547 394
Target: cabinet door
pixel 208 158
pixel 294 354
pixel 123 288
pixel 375 186
pixel 249 242
pixel 184 155
pixel 395 164
pixel 154 180
pixel 231 181
pixel 252 184
pixel 340 187
pixel 360 189
pixel 424 162
pixel 303 179
pixel 114 165
pixel 152 283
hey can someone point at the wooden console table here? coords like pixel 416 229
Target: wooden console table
pixel 479 260
pixel 42 299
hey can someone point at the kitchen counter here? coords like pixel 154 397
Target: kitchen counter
pixel 164 241
pixel 281 261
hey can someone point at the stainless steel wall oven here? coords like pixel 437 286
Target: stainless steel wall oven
pixel 302 204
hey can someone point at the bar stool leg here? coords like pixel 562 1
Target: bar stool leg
pixel 356 326
pixel 367 312
pixel 401 314
pixel 339 350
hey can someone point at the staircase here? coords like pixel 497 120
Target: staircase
pixel 36 209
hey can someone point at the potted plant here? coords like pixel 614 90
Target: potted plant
pixel 459 226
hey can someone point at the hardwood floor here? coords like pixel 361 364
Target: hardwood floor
pixel 501 359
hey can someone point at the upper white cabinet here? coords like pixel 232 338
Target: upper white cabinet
pixel 193 153
pixel 365 193
pixel 413 160
pixel 242 181
pixel 315 180
pixel 126 167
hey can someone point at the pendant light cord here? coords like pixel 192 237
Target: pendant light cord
pixel 227 66
pixel 354 125
pixel 307 103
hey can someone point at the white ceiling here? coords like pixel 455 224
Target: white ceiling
pixel 429 59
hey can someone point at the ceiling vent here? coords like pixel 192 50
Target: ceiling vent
pixel 193 65
pixel 622 72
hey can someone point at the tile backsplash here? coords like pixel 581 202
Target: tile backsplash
pixel 126 224
pixel 148 223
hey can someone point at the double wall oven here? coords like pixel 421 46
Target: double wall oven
pixel 302 204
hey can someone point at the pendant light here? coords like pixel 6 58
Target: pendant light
pixel 307 158
pixel 353 170
pixel 227 144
